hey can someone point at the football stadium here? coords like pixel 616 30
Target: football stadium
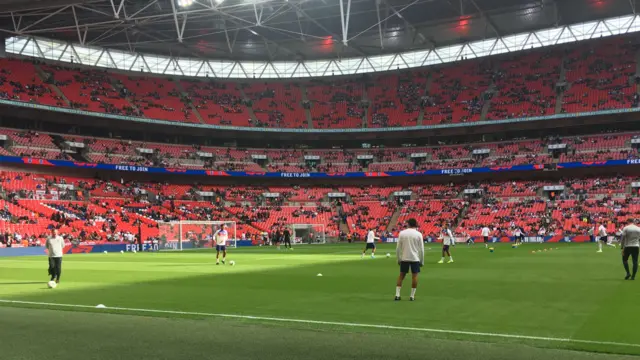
pixel 317 179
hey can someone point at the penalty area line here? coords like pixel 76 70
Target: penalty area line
pixel 333 323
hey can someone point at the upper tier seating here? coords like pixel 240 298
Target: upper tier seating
pixel 157 98
pixel 335 104
pixel 89 90
pixel 218 103
pixel 456 92
pixel 526 86
pixel 277 104
pixel 19 81
pixel 396 99
pixel 598 75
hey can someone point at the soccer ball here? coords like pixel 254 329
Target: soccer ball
pixel 121 251
pixel 134 251
pixel 232 262
pixel 388 255
pixel 105 252
pixel 52 284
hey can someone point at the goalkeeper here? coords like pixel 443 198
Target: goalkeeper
pixel 220 237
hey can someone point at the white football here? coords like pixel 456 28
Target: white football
pixel 388 255
pixel 52 284
pixel 105 252
pixel 121 251
pixel 134 251
pixel 232 262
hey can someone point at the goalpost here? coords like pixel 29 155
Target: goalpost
pixel 308 234
pixel 179 235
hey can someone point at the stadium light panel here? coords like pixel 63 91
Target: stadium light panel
pixel 184 3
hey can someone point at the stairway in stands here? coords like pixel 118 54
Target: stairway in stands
pixel 252 114
pixel 305 99
pixel 425 93
pixel 193 107
pixel 119 87
pixel 393 222
pixel 461 216
pixel 562 79
pixel 59 142
pixel 45 78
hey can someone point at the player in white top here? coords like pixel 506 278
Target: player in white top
pixel 55 247
pixel 485 234
pixel 518 235
pixel 220 237
pixel 447 240
pixel 602 238
pixel 410 255
pixel 371 244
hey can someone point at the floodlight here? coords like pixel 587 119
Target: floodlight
pixel 184 3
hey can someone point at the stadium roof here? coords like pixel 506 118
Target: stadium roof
pixel 276 30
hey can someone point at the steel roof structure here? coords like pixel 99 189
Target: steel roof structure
pixel 290 30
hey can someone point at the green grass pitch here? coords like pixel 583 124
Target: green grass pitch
pixel 566 303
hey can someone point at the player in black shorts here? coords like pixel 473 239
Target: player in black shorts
pixel 287 238
pixel 276 238
pixel 410 255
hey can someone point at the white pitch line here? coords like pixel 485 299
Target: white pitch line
pixel 335 323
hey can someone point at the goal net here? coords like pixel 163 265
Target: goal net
pixel 308 234
pixel 179 235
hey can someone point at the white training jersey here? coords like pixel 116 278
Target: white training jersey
pixel 410 247
pixel 485 231
pixel 517 232
pixel 371 237
pixel 602 231
pixel 221 237
pixel 448 238
pixel 55 245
